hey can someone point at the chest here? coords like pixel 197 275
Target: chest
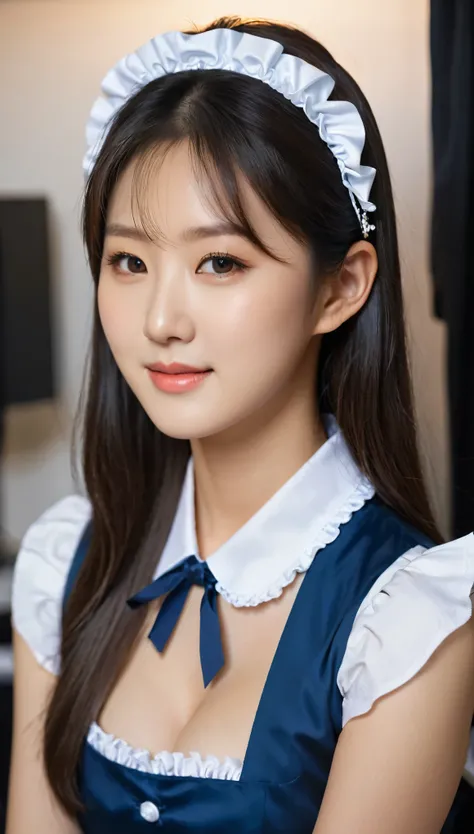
pixel 171 708
pixel 275 705
pixel 269 707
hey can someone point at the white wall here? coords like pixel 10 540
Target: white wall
pixel 53 56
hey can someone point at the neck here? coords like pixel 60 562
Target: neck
pixel 237 472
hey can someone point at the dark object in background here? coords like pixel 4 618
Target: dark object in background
pixel 6 714
pixel 26 357
pixel 452 39
pixel 461 817
pixel 26 353
pixel 452 66
pixel 26 376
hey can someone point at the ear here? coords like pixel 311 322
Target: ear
pixel 344 293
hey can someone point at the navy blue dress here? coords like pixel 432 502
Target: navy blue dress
pixel 298 720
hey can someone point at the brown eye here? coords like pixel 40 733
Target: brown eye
pixel 126 263
pixel 129 263
pixel 220 264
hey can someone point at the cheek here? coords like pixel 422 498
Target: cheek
pixel 119 317
pixel 264 329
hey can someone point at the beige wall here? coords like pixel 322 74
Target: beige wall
pixel 52 58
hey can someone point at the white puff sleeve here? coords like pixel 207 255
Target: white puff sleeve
pixel 411 609
pixel 40 575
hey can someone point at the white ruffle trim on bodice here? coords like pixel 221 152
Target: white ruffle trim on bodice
pixel 164 763
pixel 322 537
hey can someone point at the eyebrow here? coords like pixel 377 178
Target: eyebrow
pixel 189 235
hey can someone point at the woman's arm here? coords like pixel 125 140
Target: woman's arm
pixel 31 805
pixel 396 769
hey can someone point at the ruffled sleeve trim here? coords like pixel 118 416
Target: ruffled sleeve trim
pixel 422 598
pixel 40 574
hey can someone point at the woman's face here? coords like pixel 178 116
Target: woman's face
pixel 203 295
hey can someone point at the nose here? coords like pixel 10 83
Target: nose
pixel 168 315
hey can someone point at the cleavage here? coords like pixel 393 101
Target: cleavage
pixel 159 701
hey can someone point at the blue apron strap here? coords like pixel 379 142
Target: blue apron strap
pixel 78 558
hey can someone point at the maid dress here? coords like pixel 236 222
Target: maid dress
pixel 376 600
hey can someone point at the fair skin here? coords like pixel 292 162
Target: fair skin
pixel 258 329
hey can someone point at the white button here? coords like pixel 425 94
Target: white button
pixel 149 812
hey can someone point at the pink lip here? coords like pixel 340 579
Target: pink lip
pixel 176 383
pixel 176 368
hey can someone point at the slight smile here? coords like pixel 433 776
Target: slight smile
pixel 176 378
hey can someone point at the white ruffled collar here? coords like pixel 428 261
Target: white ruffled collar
pixel 282 538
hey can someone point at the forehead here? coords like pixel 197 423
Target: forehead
pixel 166 192
pixel 161 187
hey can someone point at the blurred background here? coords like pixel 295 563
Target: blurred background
pixel 53 56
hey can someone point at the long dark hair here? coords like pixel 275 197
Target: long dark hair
pixel 133 472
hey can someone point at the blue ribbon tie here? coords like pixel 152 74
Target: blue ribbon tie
pixel 176 583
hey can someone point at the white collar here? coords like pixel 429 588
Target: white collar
pixel 284 535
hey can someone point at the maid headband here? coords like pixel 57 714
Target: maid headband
pixel 339 122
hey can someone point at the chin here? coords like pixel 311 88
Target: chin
pixel 179 419
pixel 186 427
pixel 185 431
pixel 192 420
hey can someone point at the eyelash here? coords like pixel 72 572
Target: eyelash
pixel 114 259
pixel 239 266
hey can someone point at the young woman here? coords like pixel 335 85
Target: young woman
pixel 250 623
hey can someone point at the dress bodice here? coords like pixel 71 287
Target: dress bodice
pixel 298 720
pixel 363 570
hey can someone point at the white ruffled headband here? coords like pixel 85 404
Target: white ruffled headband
pixel 339 122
